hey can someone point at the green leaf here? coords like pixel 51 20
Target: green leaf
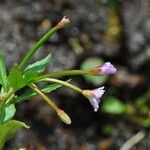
pixel 3 74
pixel 142 105
pixel 113 106
pixel 39 66
pixel 8 130
pixel 92 63
pixel 140 102
pixel 146 123
pixel 2 115
pixel 30 76
pixel 28 95
pixel 7 113
pixel 16 79
pixel 10 112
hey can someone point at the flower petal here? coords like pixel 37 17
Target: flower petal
pixel 108 68
pixel 94 103
pixel 94 96
pixel 98 92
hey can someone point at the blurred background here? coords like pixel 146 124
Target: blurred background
pixel 100 30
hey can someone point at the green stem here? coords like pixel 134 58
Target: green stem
pixel 50 103
pixel 37 46
pixel 63 73
pixel 65 84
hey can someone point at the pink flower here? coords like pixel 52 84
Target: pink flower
pixel 106 68
pixel 94 96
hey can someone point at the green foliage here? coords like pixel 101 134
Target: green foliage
pixel 140 102
pixel 89 64
pixel 146 123
pixel 29 95
pixel 19 78
pixel 7 113
pixel 3 74
pixel 2 115
pixel 113 105
pixel 30 76
pixel 40 65
pixel 8 130
pixel 142 105
pixel 33 70
pixel 16 79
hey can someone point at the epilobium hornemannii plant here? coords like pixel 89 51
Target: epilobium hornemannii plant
pixel 28 75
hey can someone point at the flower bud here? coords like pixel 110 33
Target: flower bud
pixel 106 68
pixel 63 22
pixel 63 116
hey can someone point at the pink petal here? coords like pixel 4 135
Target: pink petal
pixel 108 68
pixel 98 92
pixel 94 103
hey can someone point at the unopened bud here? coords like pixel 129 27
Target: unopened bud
pixel 63 22
pixel 106 68
pixel 63 116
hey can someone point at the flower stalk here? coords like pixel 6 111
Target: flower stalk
pixel 31 52
pixel 63 73
pixel 73 87
pixel 106 68
pixel 61 114
pixel 93 96
pixel 47 99
pixel 36 47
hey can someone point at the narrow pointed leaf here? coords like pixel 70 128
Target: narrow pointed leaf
pixel 3 75
pixel 7 113
pixel 28 95
pixel 30 76
pixel 16 79
pixel 10 112
pixel 8 130
pixel 40 65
